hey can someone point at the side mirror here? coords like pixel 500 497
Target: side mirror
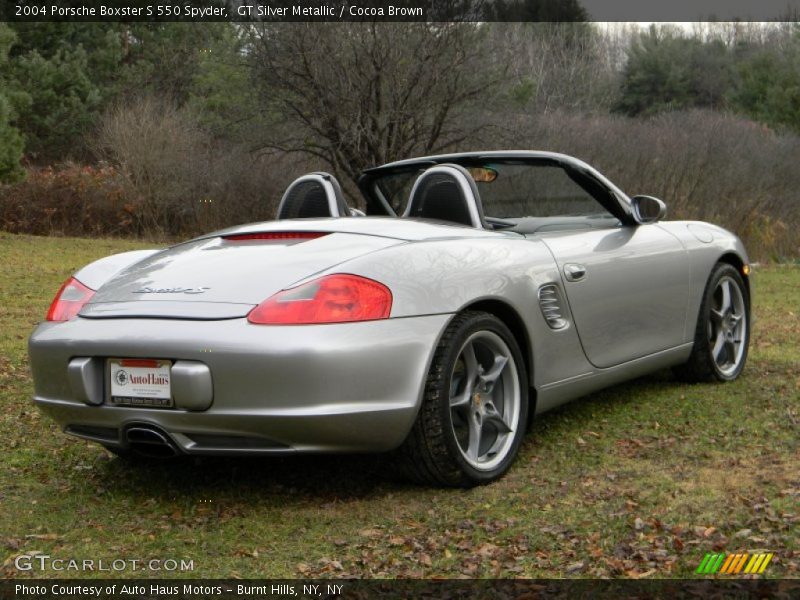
pixel 648 209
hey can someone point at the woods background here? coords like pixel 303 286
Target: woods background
pixel 167 130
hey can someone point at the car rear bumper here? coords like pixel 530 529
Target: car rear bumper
pixel 352 387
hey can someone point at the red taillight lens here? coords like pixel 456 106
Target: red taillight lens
pixel 69 300
pixel 329 299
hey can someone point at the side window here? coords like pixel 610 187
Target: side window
pixel 518 190
pixel 536 191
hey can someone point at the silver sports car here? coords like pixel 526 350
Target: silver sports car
pixel 475 291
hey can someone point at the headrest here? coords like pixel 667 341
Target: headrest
pixel 312 196
pixel 446 192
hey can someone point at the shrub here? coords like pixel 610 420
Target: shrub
pixel 166 177
pixel 161 176
pixel 67 200
pixel 179 179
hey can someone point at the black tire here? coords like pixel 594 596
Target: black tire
pixel 702 365
pixel 432 452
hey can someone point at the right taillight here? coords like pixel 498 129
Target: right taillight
pixel 69 300
pixel 340 298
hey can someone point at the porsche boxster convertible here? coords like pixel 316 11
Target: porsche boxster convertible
pixel 469 293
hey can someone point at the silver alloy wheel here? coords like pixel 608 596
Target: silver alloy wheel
pixel 485 400
pixel 727 326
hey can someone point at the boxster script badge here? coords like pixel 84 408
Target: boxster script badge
pixel 175 290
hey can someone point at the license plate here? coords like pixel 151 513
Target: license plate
pixel 140 382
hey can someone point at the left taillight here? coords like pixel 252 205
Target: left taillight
pixel 340 298
pixel 69 300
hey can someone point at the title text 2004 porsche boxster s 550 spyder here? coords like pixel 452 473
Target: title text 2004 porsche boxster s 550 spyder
pixel 475 290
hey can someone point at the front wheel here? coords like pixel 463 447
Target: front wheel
pixel 722 334
pixel 474 412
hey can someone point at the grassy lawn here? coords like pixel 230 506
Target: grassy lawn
pixel 640 480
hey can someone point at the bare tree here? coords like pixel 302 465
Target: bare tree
pixel 361 94
pixel 560 66
pixel 177 179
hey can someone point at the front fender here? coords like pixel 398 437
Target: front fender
pixel 706 244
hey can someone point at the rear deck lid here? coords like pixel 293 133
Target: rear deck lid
pixel 224 277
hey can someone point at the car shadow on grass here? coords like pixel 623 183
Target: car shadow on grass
pixel 330 478
pixel 292 478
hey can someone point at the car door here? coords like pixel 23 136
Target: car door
pixel 627 288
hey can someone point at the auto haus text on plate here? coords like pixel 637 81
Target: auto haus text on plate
pixel 68 589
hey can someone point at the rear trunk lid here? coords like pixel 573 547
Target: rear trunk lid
pixel 225 275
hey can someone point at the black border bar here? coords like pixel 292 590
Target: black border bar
pixel 276 589
pixel 398 10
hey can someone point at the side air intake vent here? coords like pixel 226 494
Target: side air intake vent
pixel 550 302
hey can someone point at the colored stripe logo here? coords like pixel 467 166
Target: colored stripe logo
pixel 733 564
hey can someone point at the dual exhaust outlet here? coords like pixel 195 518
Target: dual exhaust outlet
pixel 149 441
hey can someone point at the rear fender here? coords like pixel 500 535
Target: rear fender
pixel 449 276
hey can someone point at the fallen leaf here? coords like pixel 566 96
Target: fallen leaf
pixel 487 549
pixel 42 536
pixel 370 533
pixel 575 567
pixel 636 575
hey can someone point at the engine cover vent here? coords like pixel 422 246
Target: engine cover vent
pixel 550 302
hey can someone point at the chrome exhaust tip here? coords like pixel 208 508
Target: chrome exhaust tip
pixel 150 442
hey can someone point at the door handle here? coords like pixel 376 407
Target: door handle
pixel 574 272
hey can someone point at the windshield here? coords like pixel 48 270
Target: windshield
pixel 509 190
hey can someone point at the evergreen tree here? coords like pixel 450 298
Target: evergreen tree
pixel 11 142
pixel 667 71
pixel 769 84
pixel 71 72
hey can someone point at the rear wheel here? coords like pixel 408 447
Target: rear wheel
pixel 722 334
pixel 475 408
